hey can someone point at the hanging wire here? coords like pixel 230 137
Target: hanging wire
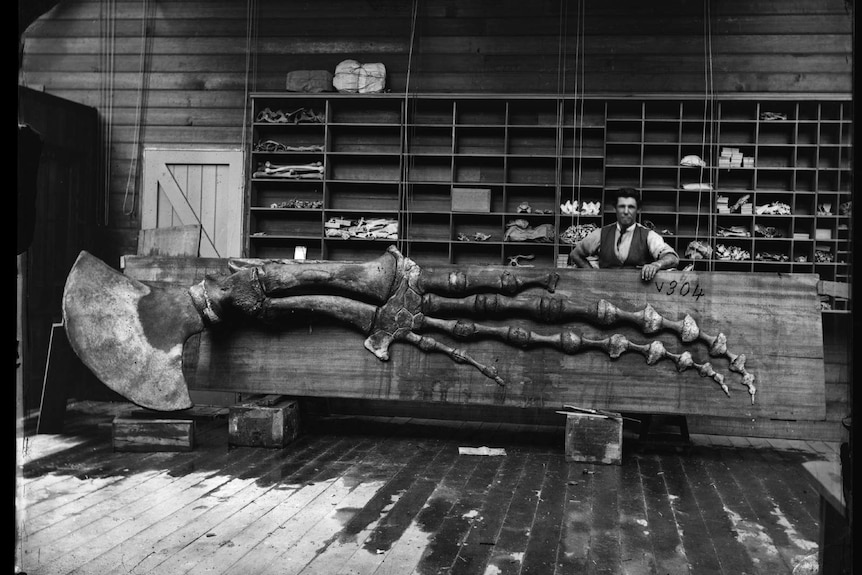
pixel 707 144
pixel 404 213
pixel 143 73
pixel 107 33
pixel 579 129
pixel 578 120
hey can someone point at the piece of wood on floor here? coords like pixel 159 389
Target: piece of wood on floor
pixel 266 421
pixel 135 432
pixel 594 438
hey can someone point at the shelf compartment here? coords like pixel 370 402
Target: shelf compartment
pixel 367 168
pixel 365 111
pixel 480 112
pixel 660 177
pixel 830 134
pixel 429 198
pixel 429 227
pixel 266 196
pixel 476 253
pixel 538 170
pixel 534 112
pixel 775 179
pixel 538 198
pixel 582 172
pixel 624 131
pixel 661 132
pixel 482 170
pixel 427 253
pixel 296 135
pixel 583 113
pixel 430 169
pixel 622 177
pixel 662 223
pixel 775 157
pixel 741 179
pixel 532 141
pixel 366 197
pixel 586 142
pixel 624 110
pixel 693 226
pixel 736 135
pixel 665 155
pixel 827 158
pixel 429 140
pixel 281 248
pixel 806 134
pixel 776 132
pixel 737 111
pixel 362 139
pixel 697 133
pixel 623 154
pixel 480 140
pixel 290 223
pixel 287 106
pixel 659 110
pixel 543 254
pixel 431 111
pixel 656 201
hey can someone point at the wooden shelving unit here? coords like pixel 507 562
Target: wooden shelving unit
pixel 387 156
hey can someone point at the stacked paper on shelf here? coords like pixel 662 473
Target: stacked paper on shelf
pixel 801 236
pixel 733 158
pixel 721 204
pixel 697 186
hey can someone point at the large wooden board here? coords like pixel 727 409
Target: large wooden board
pixel 774 319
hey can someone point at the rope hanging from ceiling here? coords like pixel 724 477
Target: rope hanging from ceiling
pixel 140 106
pixel 405 196
pixel 707 143
pixel 107 31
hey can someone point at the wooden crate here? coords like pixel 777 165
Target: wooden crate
pixel 134 433
pixel 594 438
pixel 267 421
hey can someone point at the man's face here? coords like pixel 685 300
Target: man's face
pixel 627 211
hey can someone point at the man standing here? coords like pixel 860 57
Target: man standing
pixel 626 244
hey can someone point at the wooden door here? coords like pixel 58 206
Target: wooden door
pixel 204 187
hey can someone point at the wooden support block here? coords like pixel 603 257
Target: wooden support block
pixel 594 438
pixel 130 433
pixel 267 421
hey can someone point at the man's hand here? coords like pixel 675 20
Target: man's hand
pixel 648 271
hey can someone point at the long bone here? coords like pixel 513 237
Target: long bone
pixel 571 342
pixel 562 310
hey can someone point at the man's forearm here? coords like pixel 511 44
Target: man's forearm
pixel 667 261
pixel 576 258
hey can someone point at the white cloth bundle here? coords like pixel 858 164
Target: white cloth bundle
pixel 353 77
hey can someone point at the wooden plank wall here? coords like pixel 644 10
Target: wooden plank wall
pixel 197 69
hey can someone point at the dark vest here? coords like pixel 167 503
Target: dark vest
pixel 639 253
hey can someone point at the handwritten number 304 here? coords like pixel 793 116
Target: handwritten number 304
pixel 683 289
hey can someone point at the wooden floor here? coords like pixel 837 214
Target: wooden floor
pixel 393 496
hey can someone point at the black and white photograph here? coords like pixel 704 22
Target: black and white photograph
pixel 434 287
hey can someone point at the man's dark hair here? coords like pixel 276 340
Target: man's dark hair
pixel 628 193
